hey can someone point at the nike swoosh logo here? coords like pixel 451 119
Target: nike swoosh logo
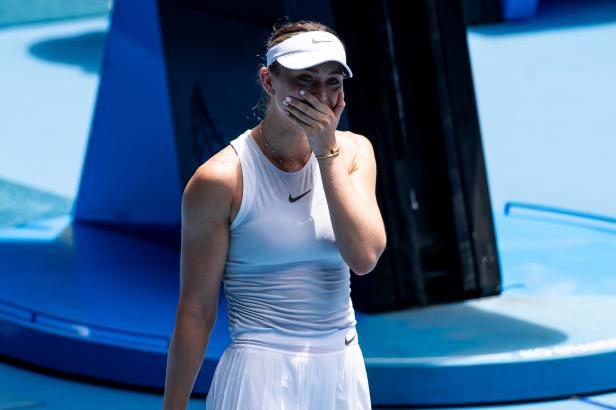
pixel 346 342
pixel 291 199
pixel 321 41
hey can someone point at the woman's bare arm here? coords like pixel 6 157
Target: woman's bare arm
pixel 206 204
pixel 355 215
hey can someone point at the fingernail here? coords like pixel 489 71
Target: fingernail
pixel 302 92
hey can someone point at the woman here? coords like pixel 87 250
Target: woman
pixel 280 215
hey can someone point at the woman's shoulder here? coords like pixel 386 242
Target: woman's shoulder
pixel 220 167
pixel 352 138
pixel 351 143
pixel 214 181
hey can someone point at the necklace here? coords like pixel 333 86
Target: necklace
pixel 280 160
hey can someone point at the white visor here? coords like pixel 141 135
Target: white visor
pixel 308 49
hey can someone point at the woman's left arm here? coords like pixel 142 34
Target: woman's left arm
pixel 351 196
pixel 353 208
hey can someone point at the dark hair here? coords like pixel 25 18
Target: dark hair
pixel 282 30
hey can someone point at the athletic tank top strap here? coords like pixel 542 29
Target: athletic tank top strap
pixel 247 163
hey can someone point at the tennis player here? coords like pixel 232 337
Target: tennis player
pixel 280 216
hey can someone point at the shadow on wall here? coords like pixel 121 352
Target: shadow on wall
pixel 556 15
pixel 84 50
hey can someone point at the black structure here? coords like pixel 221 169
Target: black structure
pixel 413 98
pixel 478 12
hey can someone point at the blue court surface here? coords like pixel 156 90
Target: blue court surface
pixel 545 89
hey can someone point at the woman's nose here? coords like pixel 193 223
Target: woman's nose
pixel 319 91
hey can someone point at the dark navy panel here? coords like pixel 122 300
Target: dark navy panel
pixel 212 63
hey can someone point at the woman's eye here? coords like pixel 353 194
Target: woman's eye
pixel 305 78
pixel 333 81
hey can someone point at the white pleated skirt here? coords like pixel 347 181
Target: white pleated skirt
pixel 279 372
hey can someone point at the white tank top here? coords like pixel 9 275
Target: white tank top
pixel 284 273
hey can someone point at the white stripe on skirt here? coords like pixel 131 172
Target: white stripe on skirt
pixel 279 372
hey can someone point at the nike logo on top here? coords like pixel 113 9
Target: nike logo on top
pixel 314 40
pixel 291 199
pixel 346 342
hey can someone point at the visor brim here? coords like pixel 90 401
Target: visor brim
pixel 300 61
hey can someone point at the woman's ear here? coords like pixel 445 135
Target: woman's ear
pixel 266 80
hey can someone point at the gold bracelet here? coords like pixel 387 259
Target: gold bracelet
pixel 332 153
